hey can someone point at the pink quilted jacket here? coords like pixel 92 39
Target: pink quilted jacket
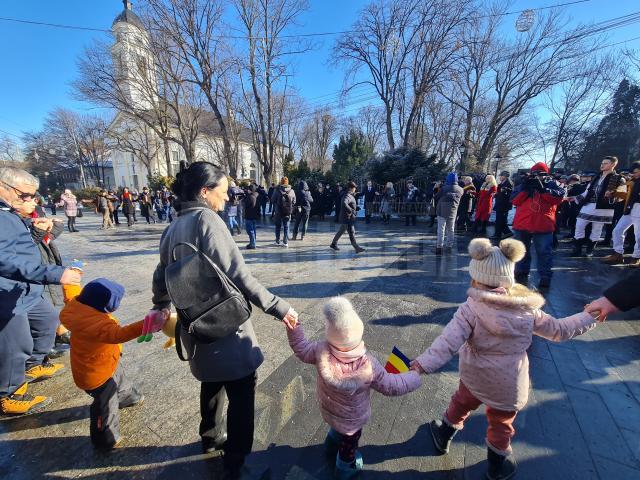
pixel 343 389
pixel 492 331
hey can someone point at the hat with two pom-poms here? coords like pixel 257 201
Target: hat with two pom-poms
pixel 494 266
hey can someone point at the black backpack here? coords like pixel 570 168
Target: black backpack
pixel 213 310
pixel 286 205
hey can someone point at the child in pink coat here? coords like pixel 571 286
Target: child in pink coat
pixel 346 375
pixel 491 332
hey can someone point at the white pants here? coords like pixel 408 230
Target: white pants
pixel 596 229
pixel 445 232
pixel 620 231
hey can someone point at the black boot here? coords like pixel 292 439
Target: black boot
pixel 500 467
pixel 442 435
pixel 577 247
pixel 590 248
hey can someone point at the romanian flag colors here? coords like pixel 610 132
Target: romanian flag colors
pixel 397 362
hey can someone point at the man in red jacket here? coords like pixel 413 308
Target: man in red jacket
pixel 536 200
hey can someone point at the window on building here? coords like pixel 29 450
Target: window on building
pixel 135 182
pixel 253 172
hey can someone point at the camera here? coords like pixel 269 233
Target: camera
pixel 533 181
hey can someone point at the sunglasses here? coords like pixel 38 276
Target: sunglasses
pixel 24 196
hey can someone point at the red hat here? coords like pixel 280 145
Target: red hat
pixel 540 167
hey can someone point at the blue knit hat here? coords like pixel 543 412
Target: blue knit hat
pixel 102 294
pixel 452 179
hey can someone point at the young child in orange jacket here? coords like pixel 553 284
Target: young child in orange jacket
pixel 95 353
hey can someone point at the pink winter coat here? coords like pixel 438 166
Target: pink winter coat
pixel 492 331
pixel 343 389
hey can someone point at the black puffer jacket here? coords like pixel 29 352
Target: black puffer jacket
pixel 303 196
pixel 348 207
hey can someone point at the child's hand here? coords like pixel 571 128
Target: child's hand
pixel 291 319
pixel 153 322
pixel 416 367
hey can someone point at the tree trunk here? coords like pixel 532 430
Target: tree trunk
pixel 167 157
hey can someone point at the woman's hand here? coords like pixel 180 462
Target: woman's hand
pixel 291 319
pixel 152 323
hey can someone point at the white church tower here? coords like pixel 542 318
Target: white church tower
pixel 133 60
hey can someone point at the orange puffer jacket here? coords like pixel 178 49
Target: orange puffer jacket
pixel 95 340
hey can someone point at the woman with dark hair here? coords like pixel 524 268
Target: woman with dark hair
pixel 228 364
pixel 127 206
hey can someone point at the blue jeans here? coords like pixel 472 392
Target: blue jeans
pixel 233 222
pixel 25 338
pixel 283 222
pixel 167 213
pixel 543 243
pixel 251 231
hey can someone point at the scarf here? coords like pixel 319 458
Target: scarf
pixel 350 356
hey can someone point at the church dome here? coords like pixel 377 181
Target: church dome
pixel 127 16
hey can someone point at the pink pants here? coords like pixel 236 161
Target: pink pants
pixel 500 430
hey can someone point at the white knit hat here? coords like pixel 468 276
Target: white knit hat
pixel 494 266
pixel 343 327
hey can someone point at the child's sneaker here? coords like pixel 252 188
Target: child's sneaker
pixel 346 470
pixel 332 443
pixel 442 435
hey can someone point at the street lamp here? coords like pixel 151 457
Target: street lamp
pixel 463 157
pixel 497 158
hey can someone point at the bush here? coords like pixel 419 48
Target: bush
pixel 89 193
pixel 405 162
pixel 157 181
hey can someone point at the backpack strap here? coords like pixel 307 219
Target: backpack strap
pixel 179 350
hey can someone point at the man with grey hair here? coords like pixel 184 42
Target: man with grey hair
pixel 27 320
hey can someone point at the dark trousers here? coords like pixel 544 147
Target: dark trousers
pixel 543 243
pixel 108 399
pixel 302 218
pixel 25 339
pixel 71 223
pixel 282 223
pixel 250 225
pixel 348 446
pixel 411 220
pixel 130 220
pixel 116 220
pixel 351 229
pixel 263 209
pixel 501 225
pixel 240 412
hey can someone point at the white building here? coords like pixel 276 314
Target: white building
pixel 134 67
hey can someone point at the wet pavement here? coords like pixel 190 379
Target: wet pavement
pixel 582 420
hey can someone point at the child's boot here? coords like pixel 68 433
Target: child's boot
pixel 501 467
pixel 348 470
pixel 332 443
pixel 442 435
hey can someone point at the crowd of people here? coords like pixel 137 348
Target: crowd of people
pixel 211 210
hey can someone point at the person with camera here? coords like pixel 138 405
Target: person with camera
pixel 502 206
pixel 536 200
pixel 597 205
pixel 228 364
pixel 348 209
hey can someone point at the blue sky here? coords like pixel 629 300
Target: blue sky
pixel 39 62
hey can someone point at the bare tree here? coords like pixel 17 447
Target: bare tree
pixel 138 139
pixel 380 41
pixel 578 102
pixel 317 135
pixel 369 121
pixel 9 150
pixel 264 23
pixel 539 59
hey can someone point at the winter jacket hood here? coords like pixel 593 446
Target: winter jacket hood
pixel 452 179
pixel 102 294
pixel 302 186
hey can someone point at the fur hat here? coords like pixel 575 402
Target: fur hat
pixel 494 266
pixel 343 327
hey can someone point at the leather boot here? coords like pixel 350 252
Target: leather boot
pixel 442 435
pixel 591 246
pixel 500 467
pixel 634 263
pixel 614 259
pixel 577 247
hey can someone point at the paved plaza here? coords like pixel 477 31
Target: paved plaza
pixel 582 421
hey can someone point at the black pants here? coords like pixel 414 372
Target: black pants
pixel 501 226
pixel 240 412
pixel 348 446
pixel 302 218
pixel 115 217
pixel 130 220
pixel 71 223
pixel 351 229
pixel 108 399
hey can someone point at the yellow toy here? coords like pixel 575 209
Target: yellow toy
pixel 169 330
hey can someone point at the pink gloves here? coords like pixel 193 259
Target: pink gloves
pixel 153 322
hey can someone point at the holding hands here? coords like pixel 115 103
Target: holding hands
pixel 415 366
pixel 601 308
pixel 291 319
pixel 152 323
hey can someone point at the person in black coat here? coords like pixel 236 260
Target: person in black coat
pixel 251 214
pixel 347 215
pixel 502 205
pixel 370 196
pixel 621 296
pixel 263 199
pixel 303 209
pixel 337 199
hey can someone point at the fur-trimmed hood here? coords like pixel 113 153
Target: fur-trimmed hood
pixel 344 377
pixel 517 296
